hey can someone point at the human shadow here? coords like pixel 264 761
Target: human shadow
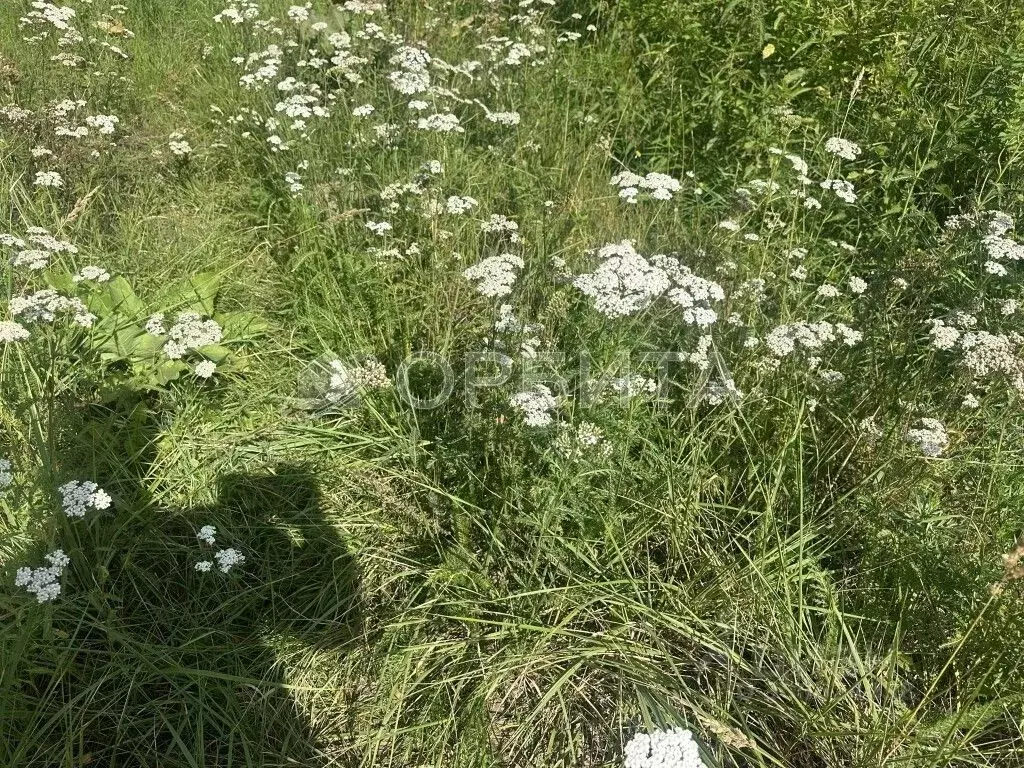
pixel 165 665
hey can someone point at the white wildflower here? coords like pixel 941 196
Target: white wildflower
pixel 11 331
pixel 842 189
pixel 190 331
pixel 573 442
pixel 205 369
pixel 92 273
pixel 155 324
pixel 178 146
pixel 843 148
pixel 44 306
pixel 207 534
pixel 870 431
pixel 228 559
pixel 440 123
pixel 299 13
pixel 294 182
pixel 48 179
pixel 943 336
pixel 504 118
pixel 498 223
pixel 495 275
pixel 658 186
pixel 105 124
pixel 717 392
pixel 536 405
pixel 633 385
pixel 670 748
pixel 78 497
pixel 44 582
pixel 379 227
pixel 784 340
pixel 930 438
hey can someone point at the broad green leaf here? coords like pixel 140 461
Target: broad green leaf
pixel 122 298
pixel 60 280
pixel 169 371
pixel 197 293
pixel 146 345
pixel 242 325
pixel 214 352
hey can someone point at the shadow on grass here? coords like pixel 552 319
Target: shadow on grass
pixel 145 661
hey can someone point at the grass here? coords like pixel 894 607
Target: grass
pixel 447 586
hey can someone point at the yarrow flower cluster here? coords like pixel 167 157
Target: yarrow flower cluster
pixel 228 559
pixel 536 405
pixel 35 250
pixel 499 224
pixel 189 332
pixel 59 16
pixel 344 382
pixel 983 353
pixel 987 353
pixel 633 385
pixel 930 437
pixel 440 123
pixel 504 118
pixel 79 496
pixel 456 205
pixel 943 336
pixel 207 534
pixel 670 748
pixel 205 369
pixel 93 274
pixel 657 186
pixel 625 282
pixel 44 582
pixel 412 76
pixel 44 306
pixel 718 392
pixel 6 476
pixel 495 275
pixel 294 182
pixel 104 124
pixel 178 146
pixel 573 442
pixel 11 332
pixel 379 227
pixel 842 188
pixel 842 148
pixel 48 179
pixel 1000 249
pixel 784 340
pixel 689 291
